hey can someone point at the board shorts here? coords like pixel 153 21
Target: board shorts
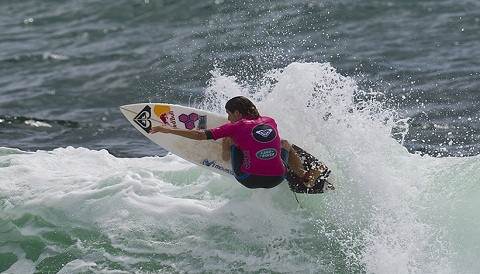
pixel 252 180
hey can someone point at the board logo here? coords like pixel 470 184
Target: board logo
pixel 188 120
pixel 165 114
pixel 207 162
pixel 202 122
pixel 266 154
pixel 143 118
pixel 264 133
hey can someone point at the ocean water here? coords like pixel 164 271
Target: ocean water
pixel 386 93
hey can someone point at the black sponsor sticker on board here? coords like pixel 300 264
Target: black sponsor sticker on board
pixel 143 118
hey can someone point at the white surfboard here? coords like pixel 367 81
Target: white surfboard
pixel 206 153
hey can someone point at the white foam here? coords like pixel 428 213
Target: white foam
pixel 392 211
pixel 379 207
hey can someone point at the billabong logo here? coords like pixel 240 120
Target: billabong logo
pixel 264 133
pixel 143 118
pixel 266 154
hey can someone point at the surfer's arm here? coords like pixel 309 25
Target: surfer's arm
pixel 190 134
pixel 226 143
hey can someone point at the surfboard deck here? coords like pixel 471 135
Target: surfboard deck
pixel 144 116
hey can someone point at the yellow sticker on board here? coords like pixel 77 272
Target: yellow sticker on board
pixel 161 109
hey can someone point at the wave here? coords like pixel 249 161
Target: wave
pixel 77 210
pixel 157 213
pixel 388 197
pixel 35 122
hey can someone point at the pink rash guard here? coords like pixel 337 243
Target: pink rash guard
pixel 258 140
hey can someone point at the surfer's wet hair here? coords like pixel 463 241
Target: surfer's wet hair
pixel 243 105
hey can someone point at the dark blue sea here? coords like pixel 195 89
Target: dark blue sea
pixel 386 93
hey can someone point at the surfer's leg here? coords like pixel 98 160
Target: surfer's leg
pixel 284 155
pixel 296 164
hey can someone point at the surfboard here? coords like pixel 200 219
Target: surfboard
pixel 144 116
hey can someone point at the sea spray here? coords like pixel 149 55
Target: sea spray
pixel 75 210
pixel 377 215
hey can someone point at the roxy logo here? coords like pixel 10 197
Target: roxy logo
pixel 143 118
pixel 264 133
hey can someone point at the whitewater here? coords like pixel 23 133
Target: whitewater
pixel 75 210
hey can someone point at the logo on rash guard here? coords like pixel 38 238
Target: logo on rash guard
pixel 264 133
pixel 266 154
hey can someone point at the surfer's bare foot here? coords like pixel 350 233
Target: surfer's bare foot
pixel 310 177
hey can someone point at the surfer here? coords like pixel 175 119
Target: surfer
pixel 252 143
